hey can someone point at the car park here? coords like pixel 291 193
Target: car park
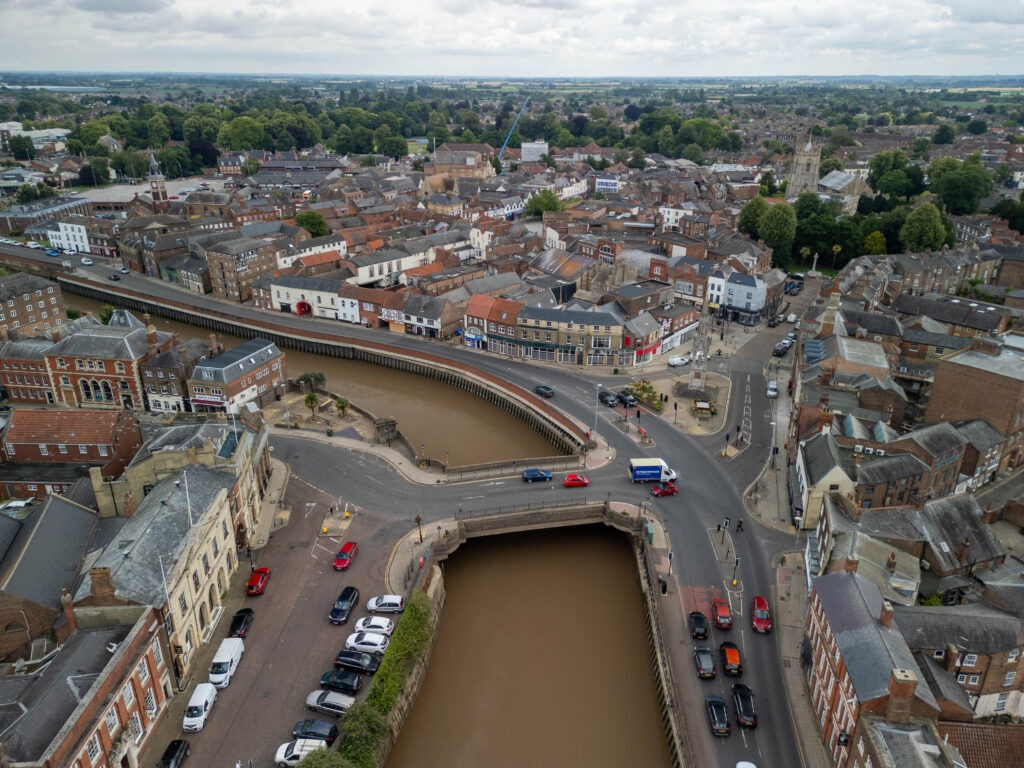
pixel 544 391
pixel 175 753
pixel 329 702
pixel 342 681
pixel 704 662
pixel 698 625
pixel 772 389
pixel 731 662
pixel 533 474
pixel 292 752
pixel 575 480
pixel 113 276
pixel 357 661
pixel 760 615
pixel 367 642
pixel 344 557
pixel 386 604
pixel 743 704
pixel 316 729
pixel 718 715
pixel 379 624
pixel 678 360
pixel 342 608
pixel 627 399
pixel 241 622
pixel 721 614
pixel 257 583
pixel 605 397
pixel 665 489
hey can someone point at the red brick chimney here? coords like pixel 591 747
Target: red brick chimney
pixel 890 564
pixel 851 564
pixel 902 686
pixel 885 616
pixel 68 606
pixel 213 345
pixel 961 554
pixel 952 657
pixel 151 338
pixel 102 585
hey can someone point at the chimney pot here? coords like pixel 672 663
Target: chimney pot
pixel 885 617
pixel 851 564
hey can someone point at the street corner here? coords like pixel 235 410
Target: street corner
pixel 336 521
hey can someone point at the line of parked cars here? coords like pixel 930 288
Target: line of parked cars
pixel 716 707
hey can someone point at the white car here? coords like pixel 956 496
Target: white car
pixel 386 604
pixel 292 752
pixel 33 244
pixel 678 360
pixel 87 262
pixel 376 624
pixel 367 642
pixel 772 390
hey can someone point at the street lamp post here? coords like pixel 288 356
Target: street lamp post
pixel 597 403
pixel 796 522
pixel 419 529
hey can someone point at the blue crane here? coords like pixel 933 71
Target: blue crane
pixel 512 130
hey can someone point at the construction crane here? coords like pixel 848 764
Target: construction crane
pixel 512 130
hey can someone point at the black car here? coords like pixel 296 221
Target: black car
pixel 240 623
pixel 347 600
pixel 773 321
pixel 175 754
pixel 781 349
pixel 357 661
pixel 626 399
pixel 704 662
pixel 698 625
pixel 113 276
pixel 543 391
pixel 743 703
pixel 342 681
pixel 718 715
pixel 606 397
pixel 315 729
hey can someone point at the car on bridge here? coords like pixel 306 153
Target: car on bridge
pixel 721 613
pixel 731 662
pixel 575 480
pixel 544 391
pixel 698 625
pixel 718 715
pixel 704 662
pixel 743 703
pixel 533 474
pixel 665 489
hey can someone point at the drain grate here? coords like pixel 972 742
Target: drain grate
pixel 786 663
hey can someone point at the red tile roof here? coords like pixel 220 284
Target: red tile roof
pixel 40 425
pixel 983 745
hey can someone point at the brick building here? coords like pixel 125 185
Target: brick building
pixel 238 376
pixel 23 374
pixel 29 306
pixel 236 264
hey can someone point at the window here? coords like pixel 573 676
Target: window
pixel 1012 654
pixel 149 374
pixel 961 679
pixel 143 671
pixel 43 450
pixel 939 654
pixel 83 449
pixel 113 722
pixel 158 654
pixel 970 659
pixel 135 727
pixel 93 748
pixel 1001 702
pixel 128 694
pixel 150 703
pixel 195 580
pixel 1008 680
pixel 182 603
pixel 973 679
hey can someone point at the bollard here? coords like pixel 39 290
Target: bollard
pixel 421 562
pixel 324 529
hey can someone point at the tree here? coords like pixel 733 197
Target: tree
pixel 777 228
pixel 923 229
pixel 977 127
pixel 29 193
pixel 22 148
pixel 828 165
pixel 312 222
pixel 543 201
pixel 325 758
pixel 95 173
pixel 944 134
pixel 315 379
pixel 106 313
pixel 883 162
pixel 250 166
pixel 341 405
pixel 961 186
pixel 750 216
pixel 311 400
pixel 875 243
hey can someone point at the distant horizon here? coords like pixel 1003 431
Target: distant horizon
pixel 488 39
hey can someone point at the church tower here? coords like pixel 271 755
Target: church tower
pixel 803 173
pixel 157 188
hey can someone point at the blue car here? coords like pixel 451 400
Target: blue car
pixel 52 252
pixel 529 475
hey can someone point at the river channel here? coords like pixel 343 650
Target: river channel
pixel 541 659
pixel 442 420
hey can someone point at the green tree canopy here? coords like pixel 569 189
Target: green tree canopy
pixel 875 243
pixel 28 193
pixel 750 216
pixel 944 134
pixel 977 127
pixel 777 227
pixel 312 222
pixel 325 758
pixel 961 185
pixel 923 229
pixel 22 148
pixel 543 201
pixel 97 172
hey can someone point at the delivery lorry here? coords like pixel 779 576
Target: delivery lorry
pixel 650 470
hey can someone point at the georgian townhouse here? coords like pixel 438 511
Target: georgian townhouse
pixel 819 470
pixel 238 376
pixel 363 306
pixel 237 263
pixel 314 296
pixel 98 366
pixel 165 374
pixel 983 452
pixel 490 323
pixel 23 374
pixel 383 268
pixel 743 298
pixel 981 645
pixel 30 306
pixel 574 336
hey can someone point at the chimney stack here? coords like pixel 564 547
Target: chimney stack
pixel 961 554
pixel 151 338
pixel 851 564
pixel 68 607
pixel 952 657
pixel 902 687
pixel 102 585
pixel 213 345
pixel 890 564
pixel 885 617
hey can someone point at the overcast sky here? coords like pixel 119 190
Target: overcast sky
pixel 524 38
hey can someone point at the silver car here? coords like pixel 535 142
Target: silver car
pixel 386 604
pixel 772 390
pixel 367 642
pixel 329 702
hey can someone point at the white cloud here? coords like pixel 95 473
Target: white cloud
pixel 530 38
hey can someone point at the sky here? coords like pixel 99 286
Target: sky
pixel 526 38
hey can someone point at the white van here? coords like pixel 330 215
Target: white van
pixel 225 661
pixel 293 751
pixel 199 707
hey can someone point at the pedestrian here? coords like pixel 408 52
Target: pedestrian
pixel 238 764
pixel 739 526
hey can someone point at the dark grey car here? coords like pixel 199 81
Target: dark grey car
pixel 347 600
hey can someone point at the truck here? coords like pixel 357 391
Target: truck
pixel 647 470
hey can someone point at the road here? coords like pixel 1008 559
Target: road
pixel 704 564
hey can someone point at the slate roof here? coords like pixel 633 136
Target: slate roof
pixel 230 365
pixel 48 551
pixel 428 307
pixel 124 338
pixel 19 283
pixel 157 532
pixel 942 682
pixel 870 651
pixel 318 284
pixel 25 349
pixel 952 311
pixel 875 470
pixel 821 456
pixel 972 627
pixel 872 322
pixel 937 439
pixel 979 433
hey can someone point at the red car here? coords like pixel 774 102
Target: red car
pixel 666 489
pixel 721 613
pixel 760 616
pixel 258 581
pixel 575 481
pixel 345 554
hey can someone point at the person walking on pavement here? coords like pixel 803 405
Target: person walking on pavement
pixel 739 526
